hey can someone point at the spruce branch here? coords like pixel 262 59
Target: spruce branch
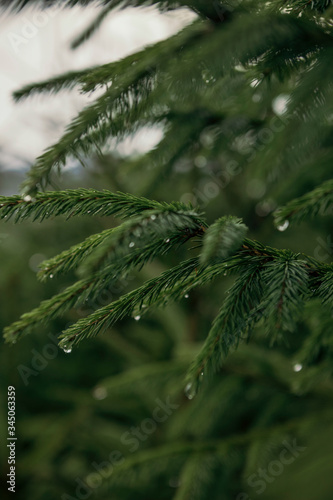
pixel 316 202
pixel 70 259
pixel 74 202
pixel 325 288
pixel 272 286
pixel 154 290
pixel 91 286
pixel 286 289
pixel 49 309
pixel 89 31
pixel 223 238
pixel 132 81
pixel 239 312
pixel 170 227
pixel 54 85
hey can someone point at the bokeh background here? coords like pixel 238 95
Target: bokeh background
pixel 73 409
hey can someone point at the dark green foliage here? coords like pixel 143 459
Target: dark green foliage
pixel 272 285
pixel 244 98
pixel 317 202
pixel 222 239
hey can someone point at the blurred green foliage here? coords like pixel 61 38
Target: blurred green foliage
pixel 113 419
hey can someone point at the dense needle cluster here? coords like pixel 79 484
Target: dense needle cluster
pixel 246 84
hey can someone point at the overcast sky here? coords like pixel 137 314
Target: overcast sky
pixel 34 46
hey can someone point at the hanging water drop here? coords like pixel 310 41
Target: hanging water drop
pixel 167 241
pixel 131 245
pixel 190 390
pixel 67 350
pixel 186 296
pixel 297 367
pixel 51 276
pixel 27 198
pixel 153 217
pixel 137 318
pixel 283 226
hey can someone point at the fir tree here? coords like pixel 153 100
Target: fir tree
pixel 211 87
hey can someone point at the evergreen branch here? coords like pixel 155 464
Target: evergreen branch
pixel 171 285
pixel 89 287
pixel 171 226
pixel 235 320
pixel 149 293
pixel 89 31
pixel 70 259
pixel 273 285
pixel 286 288
pixel 155 72
pixel 133 80
pixel 111 105
pixel 325 289
pixel 316 202
pixel 54 85
pixel 206 9
pixel 222 239
pixel 88 79
pixel 49 309
pixel 140 237
pixel 73 202
pixel 144 62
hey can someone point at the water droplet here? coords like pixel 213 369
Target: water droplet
pixel 280 104
pixel 297 367
pixel 186 295
pixel 167 241
pixel 283 226
pixel 131 245
pixel 201 375
pixel 51 276
pixel 137 318
pixel 67 350
pixel 190 390
pixel 225 273
pixel 153 217
pixel 27 198
pixel 100 393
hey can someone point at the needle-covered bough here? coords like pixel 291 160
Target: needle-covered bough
pixel 198 84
